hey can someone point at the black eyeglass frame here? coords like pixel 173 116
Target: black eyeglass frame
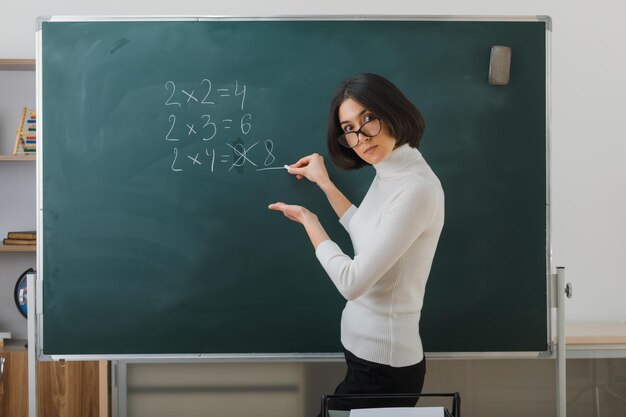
pixel 342 138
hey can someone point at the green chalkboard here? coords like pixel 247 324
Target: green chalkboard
pixel 159 144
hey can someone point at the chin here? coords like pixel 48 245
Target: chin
pixel 372 161
pixel 367 158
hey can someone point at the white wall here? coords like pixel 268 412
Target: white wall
pixel 17 194
pixel 588 129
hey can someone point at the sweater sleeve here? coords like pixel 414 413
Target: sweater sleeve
pixel 405 218
pixel 347 216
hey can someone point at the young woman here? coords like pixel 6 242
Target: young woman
pixel 394 233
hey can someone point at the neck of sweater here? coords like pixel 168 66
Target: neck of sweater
pixel 398 162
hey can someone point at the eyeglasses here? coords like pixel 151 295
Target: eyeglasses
pixel 368 129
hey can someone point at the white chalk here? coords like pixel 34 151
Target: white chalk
pixel 266 169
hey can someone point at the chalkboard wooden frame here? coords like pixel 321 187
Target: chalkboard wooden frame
pixel 277 356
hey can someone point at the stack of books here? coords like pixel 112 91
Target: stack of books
pixel 21 238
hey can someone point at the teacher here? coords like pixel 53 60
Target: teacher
pixel 394 233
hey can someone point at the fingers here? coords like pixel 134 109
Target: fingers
pixel 310 167
pixel 303 161
pixel 277 206
pixel 306 160
pixel 300 167
pixel 286 209
pixel 280 206
pixel 298 172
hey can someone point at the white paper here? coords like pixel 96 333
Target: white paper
pixel 5 335
pixel 398 412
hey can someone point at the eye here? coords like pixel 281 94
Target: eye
pixel 347 128
pixel 368 118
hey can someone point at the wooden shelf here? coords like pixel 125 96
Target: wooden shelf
pixel 18 158
pixel 14 345
pixel 17 65
pixel 18 248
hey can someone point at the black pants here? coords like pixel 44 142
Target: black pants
pixel 364 377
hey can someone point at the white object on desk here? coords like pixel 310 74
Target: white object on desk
pixel 4 335
pixel 398 412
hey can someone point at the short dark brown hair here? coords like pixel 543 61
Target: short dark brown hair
pixel 383 99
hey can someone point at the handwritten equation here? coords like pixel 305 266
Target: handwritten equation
pixel 196 118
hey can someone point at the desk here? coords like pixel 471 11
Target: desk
pixel 595 340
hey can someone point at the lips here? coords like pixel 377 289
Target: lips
pixel 370 149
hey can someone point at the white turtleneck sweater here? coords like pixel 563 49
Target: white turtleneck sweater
pixel 394 233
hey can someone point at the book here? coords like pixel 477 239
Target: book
pixel 22 235
pixel 20 241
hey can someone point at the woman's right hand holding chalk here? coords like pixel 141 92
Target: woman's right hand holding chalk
pixel 312 168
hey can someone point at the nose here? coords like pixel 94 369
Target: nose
pixel 364 137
